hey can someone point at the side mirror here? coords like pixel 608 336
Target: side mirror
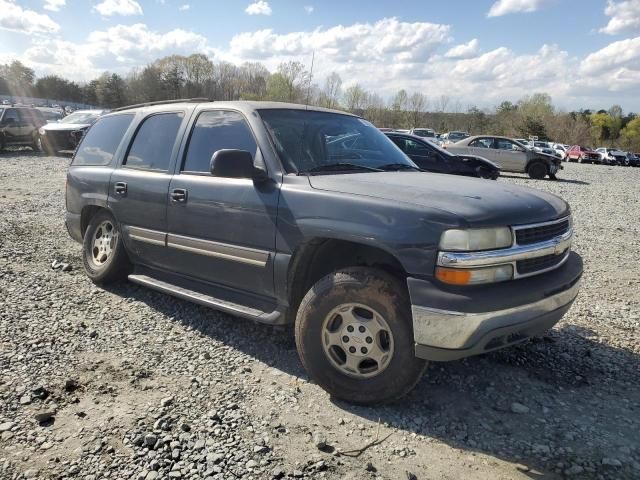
pixel 231 163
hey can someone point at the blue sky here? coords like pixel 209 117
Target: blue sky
pixel 585 53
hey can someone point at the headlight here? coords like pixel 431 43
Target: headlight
pixel 475 276
pixel 476 239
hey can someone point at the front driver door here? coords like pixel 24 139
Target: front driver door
pixel 512 156
pixel 222 230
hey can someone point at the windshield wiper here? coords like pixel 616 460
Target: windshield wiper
pixel 399 166
pixel 339 167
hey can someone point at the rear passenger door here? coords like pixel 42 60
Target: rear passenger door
pixel 222 230
pixel 139 186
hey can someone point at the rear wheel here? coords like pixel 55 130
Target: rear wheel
pixel 537 170
pixel 354 335
pixel 104 257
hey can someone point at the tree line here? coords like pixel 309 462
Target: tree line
pixel 178 76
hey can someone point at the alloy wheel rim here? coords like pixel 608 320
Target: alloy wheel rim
pixel 357 340
pixel 104 242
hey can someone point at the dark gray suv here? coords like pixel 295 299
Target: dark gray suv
pixel 260 210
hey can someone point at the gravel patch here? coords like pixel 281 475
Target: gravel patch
pixel 127 383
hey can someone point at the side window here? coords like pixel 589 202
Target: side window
pixel 415 148
pixel 400 142
pixel 502 144
pixel 101 141
pixel 481 143
pixel 213 131
pixel 154 141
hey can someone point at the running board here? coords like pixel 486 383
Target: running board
pixel 274 318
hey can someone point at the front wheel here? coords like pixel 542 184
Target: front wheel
pixel 354 336
pixel 537 170
pixel 104 257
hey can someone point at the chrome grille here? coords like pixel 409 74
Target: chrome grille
pixel 541 233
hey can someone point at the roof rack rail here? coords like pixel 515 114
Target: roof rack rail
pixel 163 102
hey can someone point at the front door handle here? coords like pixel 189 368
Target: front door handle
pixel 120 188
pixel 179 195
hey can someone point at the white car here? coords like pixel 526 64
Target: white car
pixel 560 149
pixel 611 156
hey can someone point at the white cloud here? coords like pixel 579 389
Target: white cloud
pixel 504 7
pixel 108 8
pixel 613 68
pixel 625 17
pixel 309 9
pixel 386 41
pixel 116 49
pixel 54 5
pixel 184 7
pixel 16 19
pixel 464 50
pixel 261 7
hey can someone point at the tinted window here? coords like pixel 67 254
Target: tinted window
pixel 153 144
pixel 215 131
pixel 102 140
pixel 11 113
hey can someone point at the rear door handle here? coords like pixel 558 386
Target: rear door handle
pixel 179 195
pixel 120 188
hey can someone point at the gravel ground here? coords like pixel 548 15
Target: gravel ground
pixel 126 383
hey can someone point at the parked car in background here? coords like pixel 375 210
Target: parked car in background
pixel 611 156
pixel 252 208
pixel 52 114
pixel 581 154
pixel 432 158
pixel 424 133
pixel 632 159
pixel 509 155
pixel 560 149
pixel 19 126
pixel 67 132
pixel 453 137
pixel 544 147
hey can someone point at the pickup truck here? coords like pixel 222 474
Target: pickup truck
pixel 257 209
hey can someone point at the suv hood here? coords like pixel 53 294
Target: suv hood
pixel 65 126
pixel 477 202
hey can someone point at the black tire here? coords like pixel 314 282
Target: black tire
pixel 386 295
pixel 537 170
pixel 116 266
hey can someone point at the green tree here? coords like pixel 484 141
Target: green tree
pixel 18 79
pixel 630 135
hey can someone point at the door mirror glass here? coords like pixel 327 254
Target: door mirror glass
pixel 231 163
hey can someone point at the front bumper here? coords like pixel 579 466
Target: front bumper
pixel 453 323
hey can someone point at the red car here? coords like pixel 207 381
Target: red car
pixel 582 154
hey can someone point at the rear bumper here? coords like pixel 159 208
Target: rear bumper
pixel 450 324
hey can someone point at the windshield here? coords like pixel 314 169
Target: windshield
pixel 308 140
pixel 81 117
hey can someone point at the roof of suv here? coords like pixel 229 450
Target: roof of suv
pixel 243 105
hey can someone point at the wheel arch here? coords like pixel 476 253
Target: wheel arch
pixel 320 256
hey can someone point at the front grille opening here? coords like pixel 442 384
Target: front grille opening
pixel 542 233
pixel 537 264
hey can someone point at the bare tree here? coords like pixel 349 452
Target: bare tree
pixel 295 77
pixel 331 92
pixel 354 98
pixel 443 103
pixel 417 106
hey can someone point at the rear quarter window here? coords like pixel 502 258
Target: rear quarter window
pixel 102 140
